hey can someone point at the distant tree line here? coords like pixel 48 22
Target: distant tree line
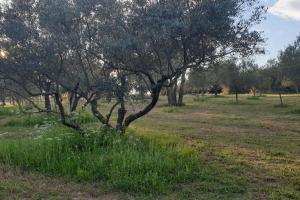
pixel 277 76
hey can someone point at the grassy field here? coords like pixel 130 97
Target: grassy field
pixel 246 151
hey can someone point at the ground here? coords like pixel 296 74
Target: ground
pixel 254 148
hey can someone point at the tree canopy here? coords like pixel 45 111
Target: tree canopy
pixel 105 49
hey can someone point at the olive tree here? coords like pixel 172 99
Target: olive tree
pixel 95 49
pixel 289 60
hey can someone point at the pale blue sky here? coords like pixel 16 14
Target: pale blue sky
pixel 281 27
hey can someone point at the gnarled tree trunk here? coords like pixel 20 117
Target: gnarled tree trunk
pixel 181 90
pixel 172 94
pixel 47 97
pixel 281 100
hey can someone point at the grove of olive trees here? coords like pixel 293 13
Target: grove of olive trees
pixel 114 50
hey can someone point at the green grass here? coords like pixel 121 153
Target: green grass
pixel 126 162
pixel 85 117
pixel 212 149
pixel 30 120
pixel 172 109
pixel 255 98
pixel 7 111
pixel 295 111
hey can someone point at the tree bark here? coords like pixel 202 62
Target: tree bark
pixel 155 97
pixel 237 97
pixel 74 98
pixel 297 90
pixel 74 103
pixel 58 101
pixel 3 102
pixel 47 103
pixel 181 90
pixel 172 94
pixel 47 97
pixel 254 92
pixel 281 100
pixel 122 111
pixel 98 115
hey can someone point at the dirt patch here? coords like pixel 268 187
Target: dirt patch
pixel 18 184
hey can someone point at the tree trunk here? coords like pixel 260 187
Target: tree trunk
pixel 121 116
pixel 47 98
pixel 237 97
pixel 98 115
pixel 169 94
pixel 181 90
pixel 19 103
pixel 74 103
pixel 281 100
pixel 58 101
pixel 172 95
pixel 297 90
pixel 47 103
pixel 3 102
pixel 122 111
pixel 155 97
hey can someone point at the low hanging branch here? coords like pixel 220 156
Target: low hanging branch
pixel 155 97
pixel 98 115
pixel 58 101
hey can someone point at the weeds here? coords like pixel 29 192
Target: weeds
pixel 7 112
pixel 30 120
pixel 128 163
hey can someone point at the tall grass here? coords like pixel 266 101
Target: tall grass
pixel 85 117
pixel 128 163
pixel 7 111
pixel 30 120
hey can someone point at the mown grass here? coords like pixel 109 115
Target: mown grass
pixel 172 109
pixel 254 140
pixel 295 111
pixel 254 98
pixel 246 151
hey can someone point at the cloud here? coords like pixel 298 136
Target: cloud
pixel 287 9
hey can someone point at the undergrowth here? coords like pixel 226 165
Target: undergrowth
pixel 127 163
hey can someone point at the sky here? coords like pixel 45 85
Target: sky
pixel 281 27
